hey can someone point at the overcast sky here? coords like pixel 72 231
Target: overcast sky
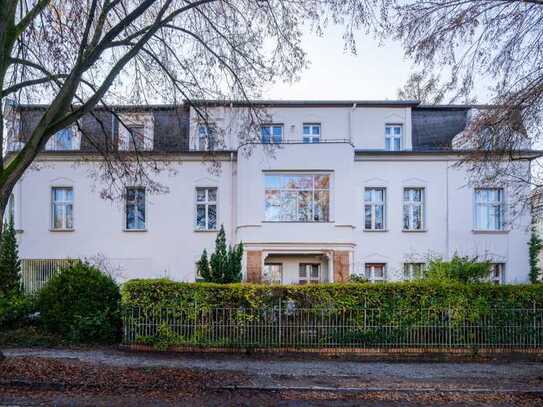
pixel 375 73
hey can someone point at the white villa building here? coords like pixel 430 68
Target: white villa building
pixel 333 188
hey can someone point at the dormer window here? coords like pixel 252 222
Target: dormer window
pixel 63 140
pixel 393 137
pixel 136 132
pixel 206 137
pixel 136 141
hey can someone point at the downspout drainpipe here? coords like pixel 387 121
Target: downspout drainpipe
pixel 447 231
pixel 233 200
pixel 233 188
pixel 350 124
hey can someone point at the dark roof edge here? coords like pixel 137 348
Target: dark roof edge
pixel 307 103
pixel 454 107
pixel 119 108
pixel 246 103
pixel 527 154
pixel 277 103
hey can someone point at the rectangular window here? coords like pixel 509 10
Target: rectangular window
pixel 393 137
pixel 271 133
pixel 297 198
pixel 135 208
pixel 136 131
pixel 489 209
pixel 136 136
pixel 413 271
pixel 62 208
pixel 374 208
pixel 497 273
pixel 312 133
pixel 206 137
pixel 206 208
pixel 62 140
pixel 375 272
pixel 413 209
pixel 273 273
pixel 309 273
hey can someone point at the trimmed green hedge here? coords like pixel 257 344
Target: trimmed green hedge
pixel 158 293
pixel 81 304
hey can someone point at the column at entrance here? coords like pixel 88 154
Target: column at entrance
pixel 341 266
pixel 254 266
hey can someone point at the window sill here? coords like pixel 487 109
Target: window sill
pixel 134 230
pixel 61 230
pixel 206 230
pixel 296 221
pixel 489 232
pixel 414 230
pixel 375 230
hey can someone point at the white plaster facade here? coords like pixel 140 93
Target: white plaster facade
pixel 350 152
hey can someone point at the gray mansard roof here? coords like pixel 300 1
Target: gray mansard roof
pixel 101 128
pixel 434 127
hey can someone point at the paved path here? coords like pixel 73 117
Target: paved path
pixel 298 371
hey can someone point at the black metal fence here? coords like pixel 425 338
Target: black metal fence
pixel 287 326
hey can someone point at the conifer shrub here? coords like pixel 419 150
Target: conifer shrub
pixel 224 264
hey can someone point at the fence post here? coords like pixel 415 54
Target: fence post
pixel 279 342
pixel 449 318
pixel 534 334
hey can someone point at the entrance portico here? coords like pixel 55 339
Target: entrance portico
pixel 297 265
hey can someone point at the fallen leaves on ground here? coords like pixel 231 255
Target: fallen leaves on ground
pixel 40 372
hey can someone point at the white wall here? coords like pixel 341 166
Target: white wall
pixel 363 126
pixel 448 218
pixel 334 159
pixel 169 247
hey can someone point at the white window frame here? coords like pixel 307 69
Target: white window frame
pixel 125 139
pixel 205 137
pixel 269 273
pixel 369 272
pixel 309 279
pixel 311 137
pixel 412 204
pixel 392 137
pixel 410 272
pixel 136 135
pixel 53 144
pixel 66 203
pixel 489 204
pixel 126 203
pixel 313 191
pixel 372 203
pixel 498 278
pixel 207 203
pixel 270 127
